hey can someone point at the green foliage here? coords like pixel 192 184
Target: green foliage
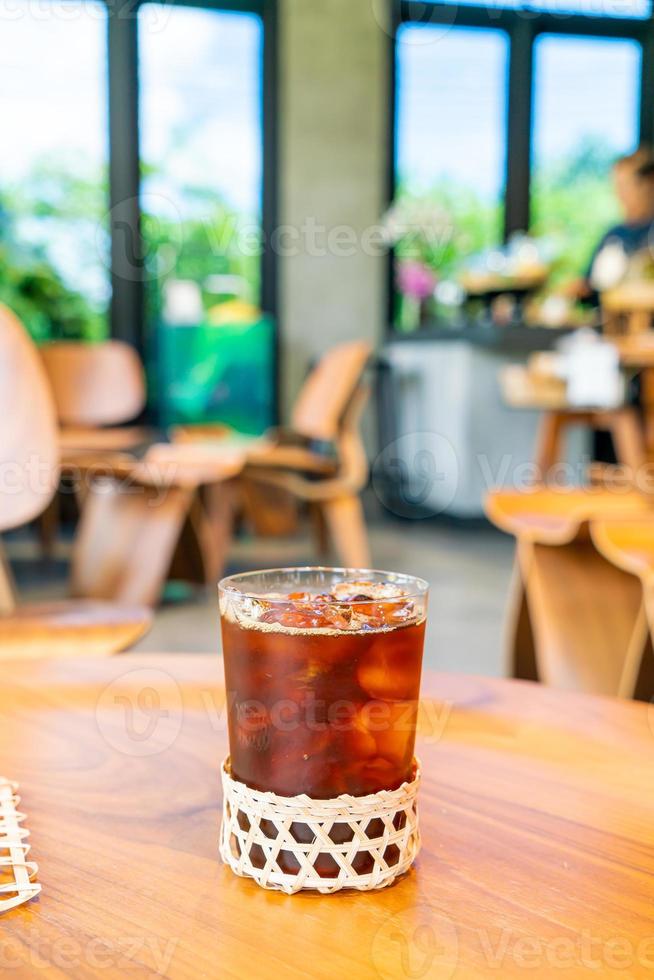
pixel 57 201
pixel 215 242
pixel 474 224
pixel 46 306
pixel 53 198
pixel 573 204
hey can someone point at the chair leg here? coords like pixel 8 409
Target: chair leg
pixel 215 515
pixel 272 512
pixel 628 439
pixel 548 442
pixel 125 541
pixel 637 660
pixel 347 528
pixel 47 525
pixel 319 529
pixel 7 586
pixel 584 613
pixel 519 642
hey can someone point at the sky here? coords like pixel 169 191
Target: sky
pixel 200 75
pixel 200 79
pixel 200 101
pixel 452 86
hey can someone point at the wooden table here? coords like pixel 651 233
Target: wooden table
pixel 537 812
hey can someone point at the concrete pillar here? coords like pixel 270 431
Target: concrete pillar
pixel 333 139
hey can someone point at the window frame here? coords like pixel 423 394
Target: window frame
pixel 522 27
pixel 127 304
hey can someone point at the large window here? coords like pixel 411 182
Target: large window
pixel 451 137
pixel 200 76
pixel 508 120
pixel 126 125
pixel 54 249
pixel 586 112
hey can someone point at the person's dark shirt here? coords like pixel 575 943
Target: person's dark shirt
pixel 633 238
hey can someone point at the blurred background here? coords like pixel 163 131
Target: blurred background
pixel 237 189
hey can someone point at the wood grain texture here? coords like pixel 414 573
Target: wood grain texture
pixel 71 628
pixel 554 516
pixel 537 811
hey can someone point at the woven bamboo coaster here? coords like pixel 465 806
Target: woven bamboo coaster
pixel 294 843
pixel 16 872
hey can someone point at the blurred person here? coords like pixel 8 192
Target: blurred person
pixel 633 183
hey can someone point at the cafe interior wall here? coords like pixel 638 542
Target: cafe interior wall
pixel 333 139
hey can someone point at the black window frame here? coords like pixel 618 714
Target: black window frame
pixel 522 27
pixel 127 316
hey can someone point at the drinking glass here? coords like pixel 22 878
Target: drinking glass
pixel 322 673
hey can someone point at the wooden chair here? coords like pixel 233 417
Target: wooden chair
pixel 168 515
pixel 96 388
pixel 629 545
pixel 328 411
pixel 29 460
pixel 576 617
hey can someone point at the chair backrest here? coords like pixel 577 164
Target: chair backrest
pixel 95 384
pixel 29 453
pixel 327 392
pixel 629 308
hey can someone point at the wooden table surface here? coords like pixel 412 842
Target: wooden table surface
pixel 537 812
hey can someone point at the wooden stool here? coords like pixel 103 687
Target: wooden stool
pixel 576 619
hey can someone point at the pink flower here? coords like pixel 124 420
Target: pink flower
pixel 415 279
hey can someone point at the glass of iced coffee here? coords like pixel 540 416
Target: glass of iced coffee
pixel 322 676
pixel 322 672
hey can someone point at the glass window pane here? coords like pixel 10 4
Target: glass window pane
pixel 200 75
pixel 451 134
pixel 586 108
pixel 54 249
